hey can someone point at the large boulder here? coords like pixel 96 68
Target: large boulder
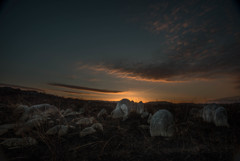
pixel 59 130
pixel 162 124
pixel 124 107
pixel 220 117
pixel 208 112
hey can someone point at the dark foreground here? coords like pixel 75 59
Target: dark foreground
pixel 194 139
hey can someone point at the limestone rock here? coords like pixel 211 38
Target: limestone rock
pixel 87 131
pixel 162 124
pixel 97 126
pixel 19 142
pixel 85 121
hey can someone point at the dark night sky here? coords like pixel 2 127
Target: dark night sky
pixel 143 50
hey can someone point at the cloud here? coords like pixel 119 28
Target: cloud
pixel 199 44
pixel 84 88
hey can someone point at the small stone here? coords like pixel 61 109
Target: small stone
pixel 59 130
pixel 87 131
pixel 63 130
pixel 144 114
pixel 97 126
pixel 149 118
pixel 85 121
pixel 19 142
pixel 102 113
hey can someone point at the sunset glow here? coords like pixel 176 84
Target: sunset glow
pixel 177 51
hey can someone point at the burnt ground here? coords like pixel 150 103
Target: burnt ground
pixel 193 140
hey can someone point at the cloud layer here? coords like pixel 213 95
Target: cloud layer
pixel 84 88
pixel 201 42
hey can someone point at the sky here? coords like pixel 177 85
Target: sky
pixel 143 50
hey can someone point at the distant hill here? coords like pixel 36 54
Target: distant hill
pixel 158 102
pixel 13 96
pixel 226 100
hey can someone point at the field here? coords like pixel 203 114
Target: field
pixel 120 140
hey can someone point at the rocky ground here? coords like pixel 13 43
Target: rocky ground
pixel 119 140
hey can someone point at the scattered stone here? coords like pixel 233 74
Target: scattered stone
pixel 35 122
pixel 59 130
pixel 82 110
pixel 20 110
pixel 97 126
pixel 85 121
pixel 19 142
pixel 63 130
pixel 41 109
pixel 140 108
pixel 73 113
pixel 102 113
pixel 67 111
pixel 87 131
pixel 149 118
pixel 144 114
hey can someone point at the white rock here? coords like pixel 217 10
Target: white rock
pixel 117 113
pixel 46 108
pixel 73 113
pixel 67 111
pixel 220 117
pixel 162 124
pixel 97 126
pixel 19 142
pixel 149 118
pixel 144 114
pixel 125 111
pixel 87 131
pixel 120 110
pixel 124 107
pixel 59 130
pixel 35 122
pixel 102 112
pixel 20 109
pixel 85 121
pixel 41 109
pixel 54 130
pixel 140 107
pixel 208 112
pixel 62 111
pixel 82 110
pixel 63 130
